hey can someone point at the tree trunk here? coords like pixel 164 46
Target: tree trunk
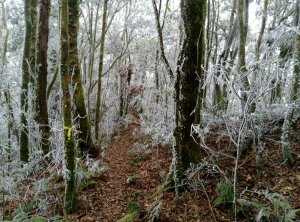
pixel 161 41
pixel 292 116
pixel 100 71
pixel 42 73
pixel 85 140
pixel 66 74
pixel 296 75
pixel 11 124
pixel 24 151
pixel 262 29
pixel 220 94
pixel 246 96
pixel 34 20
pixel 187 85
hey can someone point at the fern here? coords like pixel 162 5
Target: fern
pixel 225 192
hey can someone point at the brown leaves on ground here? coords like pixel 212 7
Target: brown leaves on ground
pixel 136 178
pixel 108 199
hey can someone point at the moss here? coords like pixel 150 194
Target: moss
pixel 129 217
pixel 133 212
pixel 86 143
pixel 70 193
pixel 25 208
pixel 42 73
pixel 187 86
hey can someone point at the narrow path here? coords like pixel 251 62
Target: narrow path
pixel 115 189
pixel 107 200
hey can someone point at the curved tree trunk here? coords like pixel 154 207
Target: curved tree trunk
pixel 188 82
pixel 86 143
pixel 161 41
pixel 262 29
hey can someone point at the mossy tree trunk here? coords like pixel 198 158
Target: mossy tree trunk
pixel 85 138
pixel 291 123
pixel 100 71
pixel 187 85
pixel 296 75
pixel 66 74
pixel 24 151
pixel 42 73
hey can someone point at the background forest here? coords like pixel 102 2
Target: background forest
pixel 157 110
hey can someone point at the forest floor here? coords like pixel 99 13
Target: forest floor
pixel 133 178
pixel 130 185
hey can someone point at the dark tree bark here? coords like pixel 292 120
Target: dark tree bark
pixel 66 74
pixel 188 83
pixel 42 73
pixel 24 151
pixel 85 138
pixel 296 77
pixel 34 19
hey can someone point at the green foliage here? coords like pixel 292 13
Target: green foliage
pixel 225 192
pixel 133 212
pixel 21 212
pixel 85 177
pixel 277 208
pixel 58 218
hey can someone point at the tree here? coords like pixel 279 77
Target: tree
pixel 262 29
pixel 246 97
pixel 42 73
pixel 100 71
pixel 85 138
pixel 189 82
pixel 220 93
pixel 24 151
pixel 34 15
pixel 292 116
pixel 296 77
pixel 66 74
pixel 160 38
pixel 11 124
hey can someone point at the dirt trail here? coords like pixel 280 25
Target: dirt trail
pixel 107 200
